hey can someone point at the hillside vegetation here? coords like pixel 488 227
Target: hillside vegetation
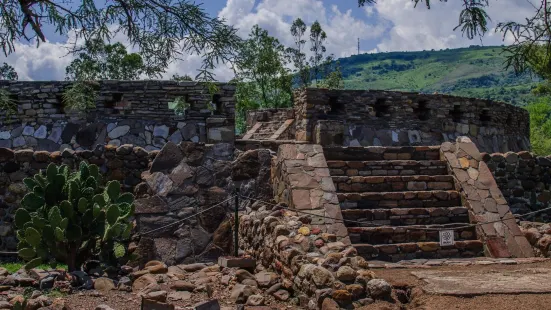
pixel 470 72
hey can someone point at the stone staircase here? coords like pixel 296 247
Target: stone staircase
pixel 388 193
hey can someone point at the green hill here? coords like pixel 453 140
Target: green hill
pixel 470 72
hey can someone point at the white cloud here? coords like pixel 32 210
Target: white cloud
pixel 417 28
pixel 390 25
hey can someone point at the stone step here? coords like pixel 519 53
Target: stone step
pixel 407 199
pixel 413 233
pixel 405 216
pixel 382 153
pixel 393 183
pixel 387 167
pixel 420 250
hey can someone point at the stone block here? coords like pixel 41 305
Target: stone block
pixel 239 262
pixel 207 305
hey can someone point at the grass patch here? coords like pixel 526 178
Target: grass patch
pixel 14 267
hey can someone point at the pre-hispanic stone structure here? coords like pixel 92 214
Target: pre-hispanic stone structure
pixel 385 118
pixel 126 112
pixel 340 178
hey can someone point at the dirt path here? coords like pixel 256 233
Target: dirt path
pixel 403 278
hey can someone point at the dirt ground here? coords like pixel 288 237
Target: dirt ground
pixel 402 278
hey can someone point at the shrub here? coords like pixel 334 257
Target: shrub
pixel 68 216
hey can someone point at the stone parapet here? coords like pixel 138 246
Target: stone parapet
pixel 480 193
pixel 300 179
pixel 125 112
pixel 388 118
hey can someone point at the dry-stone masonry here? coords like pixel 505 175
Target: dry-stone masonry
pixel 126 112
pixel 524 179
pixel 385 118
pixel 480 193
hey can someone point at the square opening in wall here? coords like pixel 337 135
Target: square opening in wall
pixel 422 111
pixel 456 113
pixel 217 104
pixel 335 106
pixel 381 107
pixel 110 105
pixel 485 117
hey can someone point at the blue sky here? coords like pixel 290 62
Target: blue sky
pixel 390 25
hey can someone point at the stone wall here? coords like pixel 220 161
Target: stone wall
pixel 269 115
pixel 480 193
pixel 384 118
pixel 301 180
pixel 188 179
pixel 124 163
pixel 126 112
pixel 320 271
pixel 524 179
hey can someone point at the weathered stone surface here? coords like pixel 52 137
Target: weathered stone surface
pixel 169 157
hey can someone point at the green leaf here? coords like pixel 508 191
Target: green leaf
pixel 59 234
pixel 119 250
pixel 51 193
pixel 22 216
pixel 30 183
pixel 33 263
pixel 26 253
pixel 94 171
pixel 91 182
pixel 112 214
pixel 82 204
pixel 63 224
pixel 32 201
pixel 55 217
pixel 48 234
pixel 126 233
pixel 127 210
pixel 66 209
pixel 100 200
pixel 113 189
pixel 51 172
pixel 87 218
pixel 41 180
pixel 32 237
pixel 96 210
pixel 22 244
pixel 74 191
pixel 126 198
pixel 38 222
pixel 84 172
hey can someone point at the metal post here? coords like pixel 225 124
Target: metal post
pixel 236 230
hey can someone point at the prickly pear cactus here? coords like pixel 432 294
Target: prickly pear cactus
pixel 68 216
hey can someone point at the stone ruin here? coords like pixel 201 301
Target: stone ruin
pixel 341 179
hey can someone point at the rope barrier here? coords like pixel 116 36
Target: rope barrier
pixel 187 218
pixel 408 227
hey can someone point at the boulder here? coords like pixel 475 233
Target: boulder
pixel 255 300
pixel 143 281
pixel 167 159
pixel 379 289
pixel 182 286
pixel 104 284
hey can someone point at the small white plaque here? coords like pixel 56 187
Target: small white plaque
pixel 446 237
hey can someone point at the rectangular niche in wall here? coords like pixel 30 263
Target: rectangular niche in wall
pixel 456 113
pixel 335 107
pixel 219 107
pixel 422 111
pixel 485 117
pixel 109 105
pixel 381 107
